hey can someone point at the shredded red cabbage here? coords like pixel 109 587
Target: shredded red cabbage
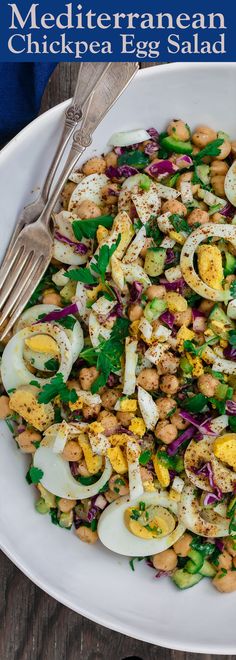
pixel 79 248
pixel 60 313
pixel 167 318
pixel 219 544
pixel 230 407
pixel 207 471
pixel 170 256
pixel 115 312
pixel 210 498
pixel 119 150
pixel 136 290
pixel 204 427
pixel 74 468
pixel 184 159
pixel 228 210
pixel 162 167
pixel 230 352
pixel 151 148
pixel 112 380
pixel 186 435
pixel 122 171
pixel 178 285
pixel 153 133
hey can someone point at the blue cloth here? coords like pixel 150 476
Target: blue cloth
pixel 21 89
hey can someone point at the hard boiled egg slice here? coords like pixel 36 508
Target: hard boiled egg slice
pixel 90 188
pixel 118 532
pixel 14 371
pixel 206 523
pixel 226 232
pixel 63 251
pixel 230 184
pixel 57 477
pixel 75 336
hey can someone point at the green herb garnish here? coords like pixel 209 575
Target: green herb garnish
pixel 34 475
pixel 88 228
pixel 57 387
pixel 211 149
pixel 145 457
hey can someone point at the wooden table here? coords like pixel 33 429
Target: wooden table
pixel 34 626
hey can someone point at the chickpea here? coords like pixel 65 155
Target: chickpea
pixel 109 193
pixel 183 318
pixel 124 418
pixel 26 441
pixel 118 485
pixel 82 469
pixel 169 384
pixel 109 398
pixel 198 216
pixel 225 150
pixel 66 193
pixel 166 432
pixel 111 496
pixel 4 406
pixel 72 451
pixel 89 411
pixel 207 384
pixel 206 306
pixel 66 505
pixel 178 421
pixel 86 534
pixel 187 176
pixel 218 167
pixel 165 561
pixel 168 364
pixel 179 130
pixel 229 544
pixel 155 291
pixel 146 475
pixel 108 420
pixel 111 159
pixel 148 243
pixel 218 184
pixel 174 206
pixel 233 148
pixel 224 560
pixel 230 278
pixel 95 165
pixel 225 583
pixel 52 299
pixel 148 379
pixel 165 406
pixel 135 312
pixel 88 209
pixel 203 135
pixel 87 377
pixel 73 384
pixel 182 546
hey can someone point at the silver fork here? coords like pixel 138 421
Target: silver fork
pixel 89 76
pixel 30 256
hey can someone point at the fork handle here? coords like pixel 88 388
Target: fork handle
pixel 73 117
pixel 81 141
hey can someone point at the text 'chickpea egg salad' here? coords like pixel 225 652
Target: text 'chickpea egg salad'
pixel 119 378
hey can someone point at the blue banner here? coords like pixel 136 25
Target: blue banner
pixel 92 30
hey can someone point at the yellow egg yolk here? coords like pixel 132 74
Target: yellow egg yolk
pixel 149 522
pixel 42 344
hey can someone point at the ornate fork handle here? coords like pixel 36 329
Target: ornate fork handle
pixel 73 117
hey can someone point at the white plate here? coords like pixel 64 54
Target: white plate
pixel 91 580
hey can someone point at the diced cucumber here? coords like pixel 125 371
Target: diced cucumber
pixel 222 392
pixel 154 309
pixel 176 146
pixel 217 315
pixel 207 569
pixel 68 291
pixel 66 520
pixel 184 580
pixel 195 562
pixel 155 261
pixel 230 264
pixel 202 172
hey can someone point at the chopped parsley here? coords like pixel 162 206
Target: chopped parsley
pixel 67 322
pixel 107 355
pixel 233 289
pixel 211 149
pixel 88 228
pixel 131 562
pixel 99 266
pixel 34 475
pixel 57 387
pixel 52 364
pixel 179 223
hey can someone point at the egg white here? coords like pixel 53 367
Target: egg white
pixel 89 189
pixel 114 534
pixel 75 336
pixel 14 371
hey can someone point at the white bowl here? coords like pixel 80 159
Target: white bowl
pixel 90 580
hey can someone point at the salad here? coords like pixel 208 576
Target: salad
pixel 119 379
